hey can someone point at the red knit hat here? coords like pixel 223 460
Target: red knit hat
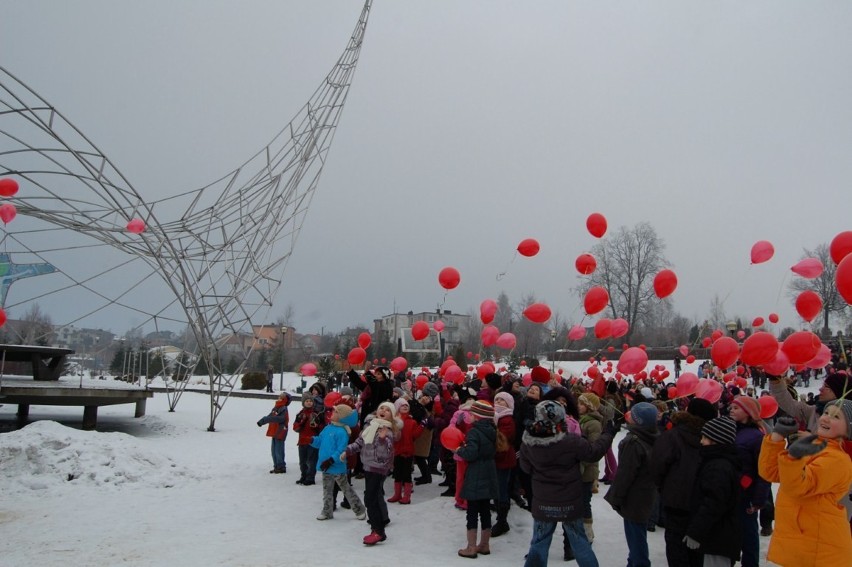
pixel 749 405
pixel 540 374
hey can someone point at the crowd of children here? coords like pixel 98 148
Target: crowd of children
pixel 701 470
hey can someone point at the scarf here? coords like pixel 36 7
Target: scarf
pixel 500 411
pixel 373 426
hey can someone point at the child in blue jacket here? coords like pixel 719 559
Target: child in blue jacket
pixel 331 443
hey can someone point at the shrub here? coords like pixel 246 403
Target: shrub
pixel 253 381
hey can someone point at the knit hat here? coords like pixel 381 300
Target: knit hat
pixel 346 391
pixel 506 397
pixel 494 381
pixel 590 400
pixel 643 414
pixel 749 405
pixel 549 418
pixel 399 403
pixel 398 392
pixel 846 407
pixel 342 411
pixel 390 406
pixel 839 384
pixel 482 409
pixel 700 407
pixel 540 374
pixel 721 430
pixel 430 389
pixel 308 399
pixel 647 393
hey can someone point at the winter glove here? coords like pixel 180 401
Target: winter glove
pixel 261 421
pixel 326 464
pixel 804 447
pixel 786 426
pixel 691 543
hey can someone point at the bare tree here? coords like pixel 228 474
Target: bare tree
pixel 36 327
pixel 717 318
pixel 825 286
pixel 627 263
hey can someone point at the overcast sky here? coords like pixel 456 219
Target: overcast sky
pixel 472 125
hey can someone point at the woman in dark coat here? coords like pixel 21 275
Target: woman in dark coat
pixel 480 479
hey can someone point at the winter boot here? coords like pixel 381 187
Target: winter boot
pixel 406 494
pixel 469 551
pixel 483 548
pixel 397 492
pixel 374 537
pixel 450 491
pixel 590 533
pixel 501 526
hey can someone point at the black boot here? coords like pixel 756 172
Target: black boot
pixel 450 491
pixel 501 526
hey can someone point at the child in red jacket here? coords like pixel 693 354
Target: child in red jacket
pixel 403 459
pixel 279 423
pixel 309 422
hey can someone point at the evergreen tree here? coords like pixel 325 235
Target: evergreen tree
pixel 117 364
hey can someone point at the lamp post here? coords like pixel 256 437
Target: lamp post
pixel 553 349
pixel 283 345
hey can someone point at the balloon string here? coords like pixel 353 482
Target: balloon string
pixel 502 274
pixel 735 284
pixel 780 288
pixel 443 301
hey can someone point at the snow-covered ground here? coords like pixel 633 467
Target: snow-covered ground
pixel 161 490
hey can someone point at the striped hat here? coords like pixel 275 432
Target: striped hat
pixel 846 407
pixel 482 409
pixel 721 430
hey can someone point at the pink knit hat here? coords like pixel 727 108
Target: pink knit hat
pixel 749 405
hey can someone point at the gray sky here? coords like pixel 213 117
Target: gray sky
pixel 472 125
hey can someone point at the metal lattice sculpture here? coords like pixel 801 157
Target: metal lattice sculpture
pixel 222 258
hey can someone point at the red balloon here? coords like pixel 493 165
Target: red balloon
pixel 716 335
pixel 399 364
pixel 452 438
pixel 528 247
pixel 768 406
pixel 705 342
pixel 420 330
pixel 762 251
pixel 665 282
pixel 822 358
pixel 585 264
pixel 690 359
pixel 364 340
pixel 619 327
pixel 357 356
pixel 136 226
pixel 603 329
pixel 632 360
pixel 484 370
pixel 809 268
pixel 741 334
pixel 537 313
pixel 759 349
pixel 331 399
pixel 454 374
pixel 710 390
pixel 2 316
pixel 808 305
pixel 592 371
pixel 595 300
pixel 686 384
pixel 489 335
pixel 841 246
pixel 449 278
pixel 758 322
pixel 8 187
pixel 773 318
pixel 684 350
pixel 438 326
pixel 507 341
pixel 778 365
pixel 576 333
pixel 725 352
pixel 487 310
pixel 801 346
pixel 421 381
pixel 843 278
pixel 740 382
pixel 309 369
pixel 8 212
pixel 596 225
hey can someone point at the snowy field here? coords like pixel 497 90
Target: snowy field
pixel 161 490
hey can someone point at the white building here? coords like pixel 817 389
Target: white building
pixel 396 329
